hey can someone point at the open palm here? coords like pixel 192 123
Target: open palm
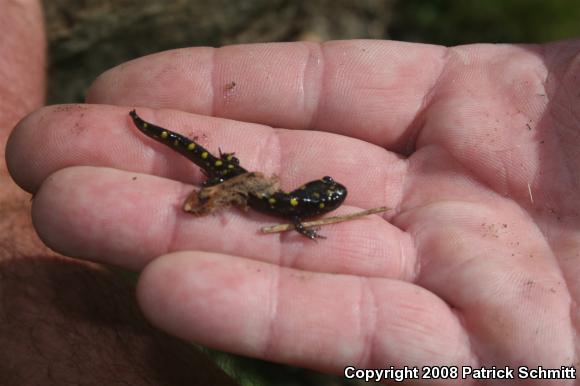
pixel 474 148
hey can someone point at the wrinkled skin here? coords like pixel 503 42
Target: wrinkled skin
pixel 475 149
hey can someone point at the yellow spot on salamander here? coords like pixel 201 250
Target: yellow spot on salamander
pixel 175 142
pixel 272 200
pixel 230 166
pixel 293 201
pixel 321 205
pixel 204 155
pixel 191 146
pixel 164 134
pixel 329 192
pixel 316 194
pixel 230 157
pixel 145 125
pixel 219 162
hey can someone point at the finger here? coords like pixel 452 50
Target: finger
pixel 128 219
pixel 372 90
pixel 22 68
pixel 105 136
pixel 21 62
pixel 314 320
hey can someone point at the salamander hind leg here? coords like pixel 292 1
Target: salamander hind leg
pixel 310 233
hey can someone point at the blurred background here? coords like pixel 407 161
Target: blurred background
pixel 86 37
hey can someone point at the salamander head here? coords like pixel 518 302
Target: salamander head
pixel 321 196
pixel 334 193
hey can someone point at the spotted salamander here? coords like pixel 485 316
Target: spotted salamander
pixel 225 175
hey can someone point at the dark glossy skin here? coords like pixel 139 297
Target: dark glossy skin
pixel 311 199
pixel 216 169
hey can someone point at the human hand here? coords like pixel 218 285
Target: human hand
pixel 475 264
pixel 60 318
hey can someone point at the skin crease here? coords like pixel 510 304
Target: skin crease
pixel 474 147
pixel 63 320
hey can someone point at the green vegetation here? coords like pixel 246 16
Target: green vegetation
pixel 452 22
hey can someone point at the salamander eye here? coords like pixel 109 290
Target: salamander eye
pixel 328 180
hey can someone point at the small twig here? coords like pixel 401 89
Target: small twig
pixel 324 221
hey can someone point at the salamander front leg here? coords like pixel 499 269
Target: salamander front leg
pixel 310 233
